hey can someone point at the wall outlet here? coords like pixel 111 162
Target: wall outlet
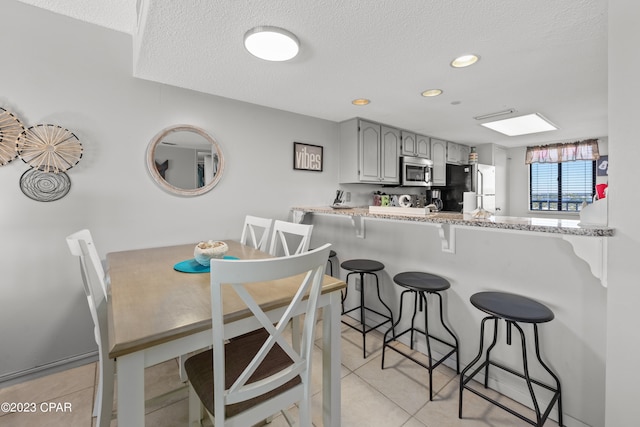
pixel 358 285
pixel 347 196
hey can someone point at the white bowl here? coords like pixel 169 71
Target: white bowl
pixel 204 251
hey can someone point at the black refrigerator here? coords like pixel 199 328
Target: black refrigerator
pixel 461 178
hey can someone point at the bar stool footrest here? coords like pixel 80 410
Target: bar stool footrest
pixel 437 361
pixel 543 418
pixel 366 331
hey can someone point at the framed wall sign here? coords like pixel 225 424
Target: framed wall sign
pixel 307 157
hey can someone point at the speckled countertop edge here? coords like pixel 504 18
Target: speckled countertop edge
pixel 539 225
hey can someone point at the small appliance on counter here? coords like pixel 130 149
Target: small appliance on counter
pixel 434 197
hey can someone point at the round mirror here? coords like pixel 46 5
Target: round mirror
pixel 185 160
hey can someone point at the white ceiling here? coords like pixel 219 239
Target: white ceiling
pixel 545 56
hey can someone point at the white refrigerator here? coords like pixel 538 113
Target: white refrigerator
pixel 483 183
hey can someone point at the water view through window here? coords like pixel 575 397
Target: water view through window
pixel 561 186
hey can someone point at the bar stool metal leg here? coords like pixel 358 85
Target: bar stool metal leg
pixel 362 308
pixel 420 300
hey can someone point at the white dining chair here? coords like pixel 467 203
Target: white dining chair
pixel 285 233
pixel 95 289
pixel 256 230
pixel 257 374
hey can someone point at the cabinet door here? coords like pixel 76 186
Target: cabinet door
pixel 408 143
pixel 390 155
pixel 423 146
pixel 464 154
pixel 439 157
pixel 453 153
pixel 369 147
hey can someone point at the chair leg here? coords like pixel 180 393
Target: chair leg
pixel 195 408
pixel 103 406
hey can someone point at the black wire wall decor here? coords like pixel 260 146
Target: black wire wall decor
pixel 10 129
pixel 44 186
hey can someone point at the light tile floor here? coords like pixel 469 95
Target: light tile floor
pixel 397 396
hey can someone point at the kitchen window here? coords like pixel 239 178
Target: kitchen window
pixel 561 187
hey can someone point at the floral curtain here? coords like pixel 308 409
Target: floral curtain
pixel 556 153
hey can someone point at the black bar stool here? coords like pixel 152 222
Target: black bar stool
pixel 362 267
pixel 419 285
pixel 332 256
pixel 513 309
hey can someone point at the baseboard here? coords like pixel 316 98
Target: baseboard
pixel 12 378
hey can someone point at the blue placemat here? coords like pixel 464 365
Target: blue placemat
pixel 192 266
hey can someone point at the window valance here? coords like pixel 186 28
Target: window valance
pixel 556 153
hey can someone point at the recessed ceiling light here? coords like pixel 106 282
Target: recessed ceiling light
pixel 522 125
pixel 432 92
pixel 271 43
pixel 464 61
pixel 360 101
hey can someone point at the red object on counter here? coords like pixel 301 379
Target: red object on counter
pixel 600 190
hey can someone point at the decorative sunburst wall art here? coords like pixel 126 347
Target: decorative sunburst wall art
pixel 44 186
pixel 10 129
pixel 49 148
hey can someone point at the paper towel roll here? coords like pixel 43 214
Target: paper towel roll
pixel 469 201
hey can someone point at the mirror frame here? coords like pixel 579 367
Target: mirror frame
pixel 153 171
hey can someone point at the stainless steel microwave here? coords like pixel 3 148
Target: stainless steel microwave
pixel 416 171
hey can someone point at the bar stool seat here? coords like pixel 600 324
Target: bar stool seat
pixel 420 284
pixel 513 309
pixel 362 267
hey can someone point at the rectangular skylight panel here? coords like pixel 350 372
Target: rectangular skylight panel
pixel 523 125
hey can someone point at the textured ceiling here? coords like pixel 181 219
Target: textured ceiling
pixel 545 56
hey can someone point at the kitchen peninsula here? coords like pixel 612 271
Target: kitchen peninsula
pixel 542 225
pixel 555 261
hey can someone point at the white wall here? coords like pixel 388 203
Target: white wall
pixel 58 70
pixel 623 345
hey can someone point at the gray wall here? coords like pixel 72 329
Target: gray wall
pixel 61 71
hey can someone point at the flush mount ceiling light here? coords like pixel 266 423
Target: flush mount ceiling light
pixel 432 92
pixel 523 125
pixel 360 101
pixel 464 61
pixel 271 43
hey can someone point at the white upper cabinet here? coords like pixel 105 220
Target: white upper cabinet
pixel 457 154
pixel 415 145
pixel 423 146
pixel 439 157
pixel 369 153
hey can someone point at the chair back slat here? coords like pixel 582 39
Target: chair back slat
pixel 284 233
pixel 256 231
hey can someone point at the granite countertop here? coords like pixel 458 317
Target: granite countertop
pixel 542 225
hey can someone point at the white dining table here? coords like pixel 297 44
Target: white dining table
pixel 156 313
